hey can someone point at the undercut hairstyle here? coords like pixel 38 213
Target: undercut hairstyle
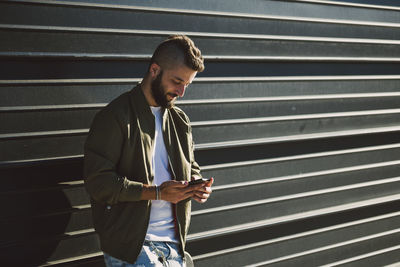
pixel 178 49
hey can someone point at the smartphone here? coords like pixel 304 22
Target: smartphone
pixel 199 181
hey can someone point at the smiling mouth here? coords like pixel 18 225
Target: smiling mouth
pixel 172 96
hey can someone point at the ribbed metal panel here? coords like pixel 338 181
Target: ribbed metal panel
pixel 296 116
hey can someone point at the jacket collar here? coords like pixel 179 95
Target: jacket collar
pixel 139 103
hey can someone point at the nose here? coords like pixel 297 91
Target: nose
pixel 181 90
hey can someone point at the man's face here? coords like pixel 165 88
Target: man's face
pixel 170 84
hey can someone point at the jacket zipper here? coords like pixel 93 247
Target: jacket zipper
pixel 177 224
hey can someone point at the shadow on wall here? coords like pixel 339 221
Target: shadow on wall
pixel 36 211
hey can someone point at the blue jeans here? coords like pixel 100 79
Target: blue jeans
pixel 162 254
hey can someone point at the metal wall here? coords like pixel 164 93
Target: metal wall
pixel 296 116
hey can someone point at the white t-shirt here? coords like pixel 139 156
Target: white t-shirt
pixel 161 226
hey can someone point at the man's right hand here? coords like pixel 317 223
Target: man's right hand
pixel 175 191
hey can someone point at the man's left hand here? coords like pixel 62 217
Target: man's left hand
pixel 203 193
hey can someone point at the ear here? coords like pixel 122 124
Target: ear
pixel 154 70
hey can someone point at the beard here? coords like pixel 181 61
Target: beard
pixel 159 95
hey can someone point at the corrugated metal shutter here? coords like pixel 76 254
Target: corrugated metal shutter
pixel 296 116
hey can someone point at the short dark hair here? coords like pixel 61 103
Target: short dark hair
pixel 178 48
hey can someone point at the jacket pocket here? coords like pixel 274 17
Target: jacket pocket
pixel 125 221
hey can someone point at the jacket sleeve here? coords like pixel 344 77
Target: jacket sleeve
pixel 102 152
pixel 195 168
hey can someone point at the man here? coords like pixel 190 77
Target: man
pixel 138 161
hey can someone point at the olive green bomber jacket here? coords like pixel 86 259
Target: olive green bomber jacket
pixel 117 162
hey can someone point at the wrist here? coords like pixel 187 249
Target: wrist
pixel 149 192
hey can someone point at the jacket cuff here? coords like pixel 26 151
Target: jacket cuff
pixel 131 191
